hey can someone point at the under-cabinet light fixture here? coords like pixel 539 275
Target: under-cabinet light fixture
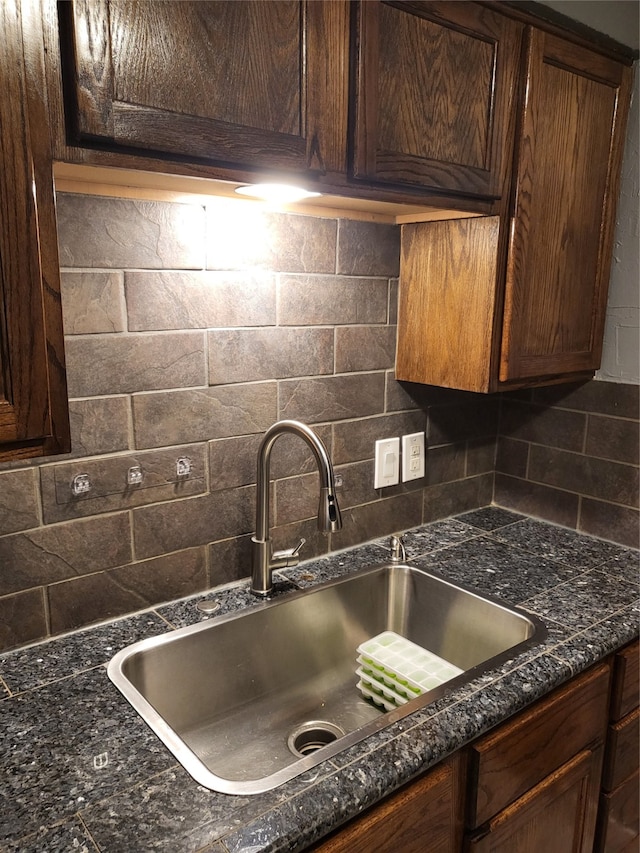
pixel 276 193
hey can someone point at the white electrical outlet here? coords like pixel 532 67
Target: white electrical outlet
pixel 412 456
pixel 387 467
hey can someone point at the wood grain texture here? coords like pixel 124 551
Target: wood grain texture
pixel 33 412
pixel 59 438
pixel 567 181
pixel 623 744
pixel 23 411
pixel 520 754
pixel 239 62
pixel 626 681
pixel 93 67
pixel 424 815
pixel 262 84
pixel 327 95
pixel 619 818
pixel 435 86
pixel 446 302
pixel 556 816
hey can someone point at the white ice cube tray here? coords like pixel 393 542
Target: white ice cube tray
pixel 394 670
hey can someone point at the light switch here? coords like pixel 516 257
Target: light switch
pixel 412 456
pixel 387 463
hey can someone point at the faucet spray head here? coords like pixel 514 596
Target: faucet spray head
pixel 329 516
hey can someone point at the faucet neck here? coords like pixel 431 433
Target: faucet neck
pixel 263 476
pixel 329 519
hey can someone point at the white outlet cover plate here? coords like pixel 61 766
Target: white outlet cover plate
pixel 412 456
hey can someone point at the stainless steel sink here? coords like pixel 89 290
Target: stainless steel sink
pixel 247 701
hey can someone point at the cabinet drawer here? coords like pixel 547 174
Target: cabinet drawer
pixel 505 764
pixel 623 743
pixel 626 681
pixel 556 816
pixel 618 822
pixel 426 814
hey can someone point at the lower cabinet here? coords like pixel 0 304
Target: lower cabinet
pixel 532 784
pixel 618 817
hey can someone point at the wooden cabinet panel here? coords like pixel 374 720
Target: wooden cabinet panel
pixel 434 89
pixel 425 814
pixel 33 403
pixel 447 302
pixel 557 816
pixel 626 681
pixel 545 321
pixel 250 83
pixel 623 743
pixel 618 822
pixel 569 157
pixel 508 762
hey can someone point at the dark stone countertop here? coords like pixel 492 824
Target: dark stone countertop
pixel 81 771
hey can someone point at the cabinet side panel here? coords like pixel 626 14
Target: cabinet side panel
pixel 446 305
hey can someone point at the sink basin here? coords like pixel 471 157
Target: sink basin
pixel 249 700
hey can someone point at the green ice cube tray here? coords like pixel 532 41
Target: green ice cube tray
pixel 398 670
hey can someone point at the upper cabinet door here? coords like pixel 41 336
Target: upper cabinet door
pixel 434 94
pixel 34 415
pixel 241 83
pixel 569 157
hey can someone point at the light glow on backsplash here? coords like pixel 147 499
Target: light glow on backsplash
pixel 240 233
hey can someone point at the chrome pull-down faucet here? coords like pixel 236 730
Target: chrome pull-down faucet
pixel 263 559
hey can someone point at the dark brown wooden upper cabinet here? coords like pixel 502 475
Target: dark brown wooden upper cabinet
pixel 492 303
pixel 434 89
pixel 34 417
pixel 570 149
pixel 246 83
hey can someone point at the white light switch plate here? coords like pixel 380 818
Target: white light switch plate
pixel 387 463
pixel 412 456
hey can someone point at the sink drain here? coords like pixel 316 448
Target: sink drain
pixel 312 736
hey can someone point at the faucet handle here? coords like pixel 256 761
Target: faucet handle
pixel 295 551
pixel 289 557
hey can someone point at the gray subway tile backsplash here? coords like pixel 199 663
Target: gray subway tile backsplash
pixel 100 425
pixel 56 552
pixel 191 328
pixel 113 233
pixel 245 355
pixel 199 300
pixel 331 300
pixel 122 364
pixel 361 348
pixel 18 501
pixel 93 302
pixel 200 414
pixel 366 248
